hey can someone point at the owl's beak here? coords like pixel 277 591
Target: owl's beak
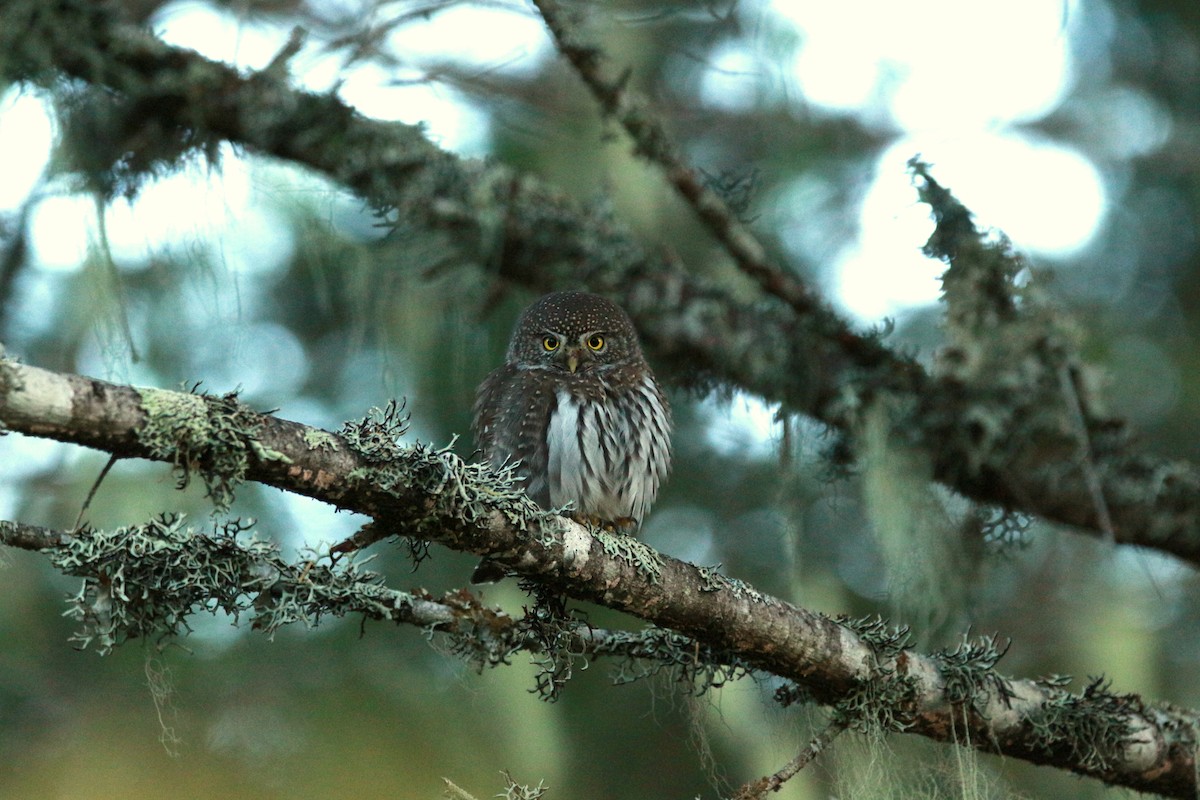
pixel 573 361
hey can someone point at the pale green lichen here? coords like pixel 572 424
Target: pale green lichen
pixel 449 488
pixel 563 641
pixel 1028 400
pixel 714 581
pixel 685 661
pixel 317 439
pixel 551 530
pixel 969 674
pixel 147 581
pixel 633 552
pixel 711 579
pixel 212 435
pixel 744 591
pixel 517 791
pixel 885 639
pixel 886 700
pixel 1094 727
pixel 376 437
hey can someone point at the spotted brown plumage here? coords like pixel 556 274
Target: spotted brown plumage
pixel 576 404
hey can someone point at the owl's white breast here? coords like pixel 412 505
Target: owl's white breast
pixel 603 459
pixel 564 465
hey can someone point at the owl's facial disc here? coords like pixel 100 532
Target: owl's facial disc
pixel 573 356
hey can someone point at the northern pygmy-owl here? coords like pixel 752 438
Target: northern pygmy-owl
pixel 577 405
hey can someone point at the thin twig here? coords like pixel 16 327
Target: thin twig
pixel 1070 390
pixel 755 790
pixel 653 143
pixel 29 537
pixel 451 791
pixel 87 501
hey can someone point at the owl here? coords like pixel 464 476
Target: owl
pixel 576 404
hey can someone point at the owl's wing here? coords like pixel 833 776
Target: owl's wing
pixel 512 413
pixel 488 408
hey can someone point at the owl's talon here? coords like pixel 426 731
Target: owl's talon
pixel 590 521
pixel 625 524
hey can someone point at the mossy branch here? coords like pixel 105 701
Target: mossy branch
pixel 147 581
pixel 653 143
pixel 864 669
pixel 171 102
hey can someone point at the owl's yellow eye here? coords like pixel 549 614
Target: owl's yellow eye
pixel 596 342
pixel 550 343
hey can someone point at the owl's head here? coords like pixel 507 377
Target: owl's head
pixel 575 332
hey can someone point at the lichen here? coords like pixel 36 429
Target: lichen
pixel 886 700
pixel 437 491
pixel 317 439
pixel 1093 727
pixel 517 791
pixel 551 627
pixel 376 437
pixel 711 580
pixel 744 591
pixel 1027 399
pixel 460 490
pixel 1002 530
pixel 563 642
pixel 885 640
pixel 203 433
pixel 969 675
pixel 633 552
pixel 656 651
pixel 147 581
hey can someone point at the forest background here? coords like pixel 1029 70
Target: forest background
pixel 162 256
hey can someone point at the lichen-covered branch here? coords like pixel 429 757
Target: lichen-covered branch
pixel 169 102
pixel 147 581
pixel 864 669
pixel 652 142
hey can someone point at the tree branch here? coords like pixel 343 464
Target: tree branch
pixel 756 790
pixel 148 580
pixel 816 364
pixel 863 668
pixel 652 142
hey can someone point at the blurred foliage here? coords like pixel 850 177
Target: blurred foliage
pixel 307 307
